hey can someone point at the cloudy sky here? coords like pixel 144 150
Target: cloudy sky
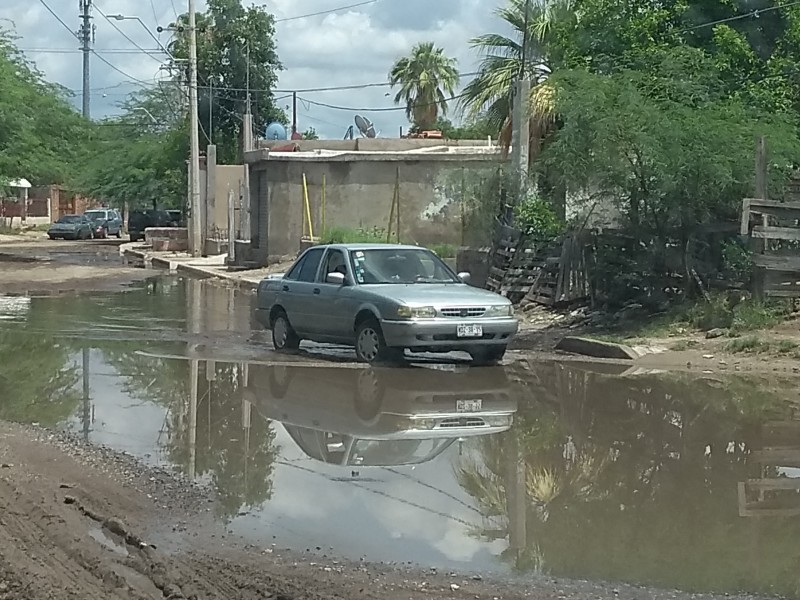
pixel 349 46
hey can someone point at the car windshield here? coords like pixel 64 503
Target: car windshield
pixel 70 219
pixel 95 215
pixel 401 265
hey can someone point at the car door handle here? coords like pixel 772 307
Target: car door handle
pixel 316 291
pixel 286 288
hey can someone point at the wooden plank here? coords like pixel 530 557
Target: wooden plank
pixel 757 203
pixel 787 264
pixel 777 483
pixel 791 234
pixel 782 294
pixel 745 225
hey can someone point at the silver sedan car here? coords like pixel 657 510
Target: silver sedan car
pixel 383 299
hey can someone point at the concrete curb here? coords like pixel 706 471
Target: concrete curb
pixel 184 264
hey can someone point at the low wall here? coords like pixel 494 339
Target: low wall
pixel 358 194
pixel 167 239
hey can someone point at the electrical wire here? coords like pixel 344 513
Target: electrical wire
pixel 77 37
pixel 78 50
pixel 126 36
pixel 325 12
pixel 753 13
pixel 335 88
pixel 379 109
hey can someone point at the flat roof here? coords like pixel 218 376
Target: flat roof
pixel 433 153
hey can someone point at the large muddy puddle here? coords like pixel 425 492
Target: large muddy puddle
pixel 586 471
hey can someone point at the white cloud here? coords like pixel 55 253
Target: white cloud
pixel 349 47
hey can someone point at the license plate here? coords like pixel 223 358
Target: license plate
pixel 469 331
pixel 465 406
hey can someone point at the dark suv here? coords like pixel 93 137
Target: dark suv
pixel 139 220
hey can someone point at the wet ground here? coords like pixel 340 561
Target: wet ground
pixel 595 472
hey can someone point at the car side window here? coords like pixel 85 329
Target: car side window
pixel 334 263
pixel 295 270
pixel 308 270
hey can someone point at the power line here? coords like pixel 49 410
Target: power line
pixel 325 12
pixel 76 36
pixel 335 88
pixel 78 50
pixel 379 109
pixel 752 14
pixel 127 37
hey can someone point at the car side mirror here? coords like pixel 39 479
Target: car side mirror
pixel 335 278
pixel 465 276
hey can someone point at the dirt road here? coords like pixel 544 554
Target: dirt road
pixel 87 523
pixel 30 265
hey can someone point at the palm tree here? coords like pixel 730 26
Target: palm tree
pixel 424 77
pixel 491 90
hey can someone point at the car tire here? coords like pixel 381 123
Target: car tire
pixel 52 237
pixel 370 392
pixel 119 234
pixel 371 346
pixel 488 356
pixel 284 337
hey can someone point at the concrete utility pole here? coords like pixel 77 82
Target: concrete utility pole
pixel 85 34
pixel 195 216
pixel 520 134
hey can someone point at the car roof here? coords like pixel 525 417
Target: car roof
pixel 372 246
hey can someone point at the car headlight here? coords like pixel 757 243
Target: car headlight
pixel 500 310
pixel 416 312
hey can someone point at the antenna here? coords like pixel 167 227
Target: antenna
pixel 365 126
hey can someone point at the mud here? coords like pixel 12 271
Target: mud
pixel 44 267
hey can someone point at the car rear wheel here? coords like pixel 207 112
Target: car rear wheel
pixel 489 355
pixel 284 337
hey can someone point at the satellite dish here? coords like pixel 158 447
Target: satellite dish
pixel 365 126
pixel 275 131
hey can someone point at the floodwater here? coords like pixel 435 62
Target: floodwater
pixel 561 469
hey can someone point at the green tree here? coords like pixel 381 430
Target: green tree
pixel 42 138
pixel 310 134
pixel 489 93
pixel 235 52
pixel 425 79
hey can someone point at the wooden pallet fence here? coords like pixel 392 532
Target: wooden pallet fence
pixel 773 229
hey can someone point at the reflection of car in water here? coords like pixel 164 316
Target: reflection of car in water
pixel 381 417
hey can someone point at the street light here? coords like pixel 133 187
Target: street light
pixel 143 24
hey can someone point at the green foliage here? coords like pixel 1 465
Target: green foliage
pixel 310 134
pixel 425 79
pixel 737 261
pixel 345 235
pixel 236 46
pixel 536 217
pixel 41 137
pixel 444 250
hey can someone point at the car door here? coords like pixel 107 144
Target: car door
pixel 297 292
pixel 114 222
pixel 334 307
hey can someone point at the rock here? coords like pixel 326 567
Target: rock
pixel 70 500
pixel 454 587
pixel 708 356
pixel 596 348
pixel 116 526
pixel 6 466
pixel 714 333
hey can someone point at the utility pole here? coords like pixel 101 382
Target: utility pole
pixel 294 115
pixel 85 34
pixel 195 215
pixel 520 135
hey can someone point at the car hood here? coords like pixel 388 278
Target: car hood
pixel 424 294
pixel 64 225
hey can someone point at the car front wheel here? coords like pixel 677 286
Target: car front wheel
pixel 284 336
pixel 371 346
pixel 488 355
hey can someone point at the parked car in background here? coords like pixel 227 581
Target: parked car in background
pixel 105 221
pixel 384 299
pixel 139 220
pixel 71 227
